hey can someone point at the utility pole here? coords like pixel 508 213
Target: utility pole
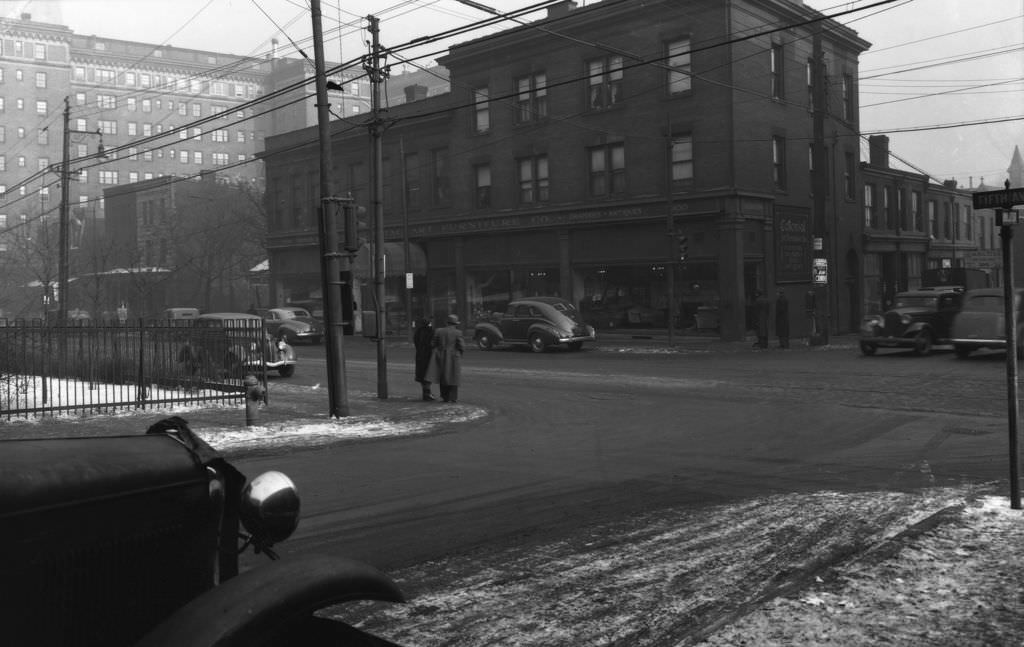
pixel 377 74
pixel 63 241
pixel 822 317
pixel 330 256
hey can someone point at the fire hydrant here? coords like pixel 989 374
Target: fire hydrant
pixel 255 395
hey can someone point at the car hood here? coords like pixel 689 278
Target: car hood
pixel 909 310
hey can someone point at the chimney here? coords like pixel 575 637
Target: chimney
pixel 415 92
pixel 26 16
pixel 878 151
pixel 561 9
pixel 273 48
pixel 949 184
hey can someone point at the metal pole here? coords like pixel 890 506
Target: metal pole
pixel 65 189
pixel 330 265
pixel 376 76
pixel 405 240
pixel 671 232
pixel 1010 323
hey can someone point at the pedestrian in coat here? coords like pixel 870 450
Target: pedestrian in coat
pixel 423 341
pixel 447 365
pixel 762 308
pixel 782 318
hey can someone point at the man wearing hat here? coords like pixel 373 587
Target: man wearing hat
pixel 447 365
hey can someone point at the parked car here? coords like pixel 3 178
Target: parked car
pixel 981 321
pixel 293 324
pixel 241 344
pixel 135 540
pixel 918 319
pixel 540 322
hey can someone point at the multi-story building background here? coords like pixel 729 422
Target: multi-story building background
pixel 575 166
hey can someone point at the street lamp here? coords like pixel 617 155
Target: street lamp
pixel 65 192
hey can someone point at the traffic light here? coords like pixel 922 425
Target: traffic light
pixel 683 247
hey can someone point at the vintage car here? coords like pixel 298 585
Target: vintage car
pixel 135 540
pixel 292 324
pixel 918 319
pixel 240 343
pixel 981 321
pixel 540 322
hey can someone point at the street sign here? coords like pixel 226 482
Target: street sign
pixel 998 199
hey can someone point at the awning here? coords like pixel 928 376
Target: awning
pixel 394 261
pixel 263 266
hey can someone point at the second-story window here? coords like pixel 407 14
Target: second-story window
pixel 848 98
pixel 482 110
pixel 533 179
pixel 441 181
pixel 775 69
pixel 933 220
pixel 531 100
pixel 107 126
pixel 887 208
pixel 608 170
pixel 483 186
pixel 870 215
pixel 412 180
pixel 915 211
pixel 810 85
pixel 779 162
pixel 948 222
pixel 679 66
pixel 604 79
pixel 682 161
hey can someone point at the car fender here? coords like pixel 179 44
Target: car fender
pixel 255 605
pixel 917 327
pixel 547 330
pixel 488 328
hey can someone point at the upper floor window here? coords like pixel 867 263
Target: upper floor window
pixel 482 112
pixel 483 186
pixel 531 100
pixel 915 211
pixel 412 180
pixel 933 219
pixel 775 69
pixel 39 51
pixel 948 222
pixel 106 101
pixel 42 107
pixel 441 181
pixel 533 179
pixel 40 79
pixel 779 162
pixel 147 105
pixel 679 79
pixel 604 79
pixel 682 159
pixel 608 169
pixel 887 208
pixel 849 190
pixel 870 215
pixel 810 84
pixel 107 126
pixel 848 98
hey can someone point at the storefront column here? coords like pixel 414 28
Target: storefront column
pixel 565 268
pixel 732 305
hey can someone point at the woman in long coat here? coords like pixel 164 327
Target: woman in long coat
pixel 446 368
pixel 423 340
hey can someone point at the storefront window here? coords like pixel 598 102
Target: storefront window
pixel 490 290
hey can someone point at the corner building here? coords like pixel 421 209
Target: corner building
pixel 583 155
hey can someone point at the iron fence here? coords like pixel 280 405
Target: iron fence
pixel 105 366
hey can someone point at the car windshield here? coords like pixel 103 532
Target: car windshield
pixel 292 313
pixel 984 303
pixel 914 301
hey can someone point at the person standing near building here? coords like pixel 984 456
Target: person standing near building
pixel 423 341
pixel 762 309
pixel 782 318
pixel 447 365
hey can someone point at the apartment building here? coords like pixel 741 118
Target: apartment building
pixel 578 155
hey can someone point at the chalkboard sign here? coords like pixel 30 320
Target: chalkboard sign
pixel 792 247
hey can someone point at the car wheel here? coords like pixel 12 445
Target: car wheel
pixel 575 345
pixel 923 343
pixel 286 371
pixel 868 349
pixel 961 351
pixel 537 343
pixel 484 341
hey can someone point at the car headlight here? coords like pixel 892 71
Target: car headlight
pixel 281 345
pixel 906 319
pixel 871 322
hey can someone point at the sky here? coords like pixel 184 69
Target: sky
pixel 952 68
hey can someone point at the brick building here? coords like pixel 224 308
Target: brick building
pixel 573 165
